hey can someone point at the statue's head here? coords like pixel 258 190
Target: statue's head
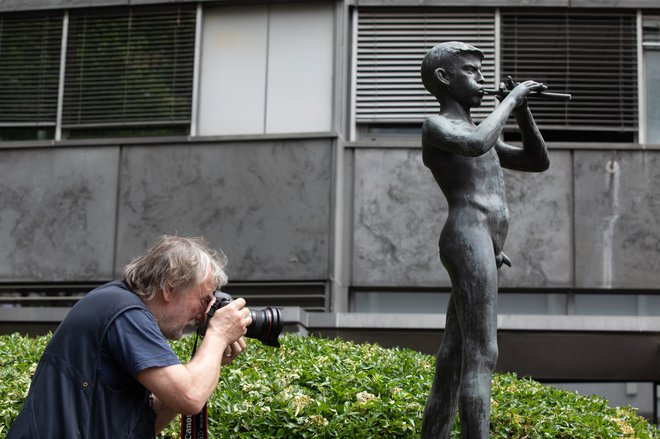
pixel 444 56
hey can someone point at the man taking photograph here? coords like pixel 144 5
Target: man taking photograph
pixel 109 372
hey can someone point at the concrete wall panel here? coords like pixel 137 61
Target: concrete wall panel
pixel 617 219
pixel 57 214
pixel 539 242
pixel 399 213
pixel 266 205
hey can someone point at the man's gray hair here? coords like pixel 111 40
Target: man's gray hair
pixel 175 263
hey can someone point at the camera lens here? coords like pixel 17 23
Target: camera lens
pixel 266 326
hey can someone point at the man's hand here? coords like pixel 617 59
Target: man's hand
pixel 231 322
pixel 233 351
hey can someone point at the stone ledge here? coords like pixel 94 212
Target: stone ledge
pixel 322 320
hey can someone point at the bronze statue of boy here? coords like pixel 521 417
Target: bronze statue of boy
pixel 467 160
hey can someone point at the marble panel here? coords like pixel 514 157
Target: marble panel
pixel 57 214
pixel 539 242
pixel 399 213
pixel 265 204
pixel 617 219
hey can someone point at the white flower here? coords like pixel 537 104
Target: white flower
pixel 300 402
pixel 316 421
pixel 364 397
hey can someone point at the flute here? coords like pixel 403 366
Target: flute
pixel 538 95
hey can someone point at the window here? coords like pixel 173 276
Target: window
pixel 129 71
pixel 30 46
pixel 651 42
pixel 390 47
pixel 591 55
pixel 258 76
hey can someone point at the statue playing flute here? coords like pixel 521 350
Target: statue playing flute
pixel 466 161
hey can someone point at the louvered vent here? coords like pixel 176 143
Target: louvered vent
pixel 129 66
pixel 30 47
pixel 390 47
pixel 651 31
pixel 590 55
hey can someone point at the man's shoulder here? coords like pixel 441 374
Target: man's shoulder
pixel 112 295
pixel 115 287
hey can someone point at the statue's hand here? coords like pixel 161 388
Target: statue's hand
pixel 501 258
pixel 519 91
pixel 505 88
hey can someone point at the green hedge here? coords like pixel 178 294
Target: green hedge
pixel 318 388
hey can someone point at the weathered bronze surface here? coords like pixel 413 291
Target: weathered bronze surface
pixel 466 161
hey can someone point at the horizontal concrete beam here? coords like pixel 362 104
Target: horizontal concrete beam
pixel 544 347
pixel 35 314
pixel 324 320
pixel 516 322
pixel 27 5
pixel 560 348
pixel 513 3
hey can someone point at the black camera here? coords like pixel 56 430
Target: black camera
pixel 266 323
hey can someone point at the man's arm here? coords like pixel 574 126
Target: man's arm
pixel 186 388
pixel 533 156
pixel 164 414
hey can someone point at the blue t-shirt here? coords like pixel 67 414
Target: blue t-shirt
pixel 132 344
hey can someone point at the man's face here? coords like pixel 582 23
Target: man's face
pixel 466 80
pixel 187 308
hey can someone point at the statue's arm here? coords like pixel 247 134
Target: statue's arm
pixel 533 156
pixel 463 138
pixel 451 133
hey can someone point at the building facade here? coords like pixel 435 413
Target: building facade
pixel 288 134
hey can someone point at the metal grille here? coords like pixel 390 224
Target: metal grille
pixel 651 32
pixel 30 47
pixel 129 66
pixel 391 44
pixel 311 296
pixel 591 55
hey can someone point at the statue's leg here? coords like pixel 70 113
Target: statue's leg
pixel 476 306
pixel 440 408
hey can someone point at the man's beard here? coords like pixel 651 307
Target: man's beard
pixel 168 327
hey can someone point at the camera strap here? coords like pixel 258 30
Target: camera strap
pixel 195 426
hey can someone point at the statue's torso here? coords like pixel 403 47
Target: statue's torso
pixel 475 192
